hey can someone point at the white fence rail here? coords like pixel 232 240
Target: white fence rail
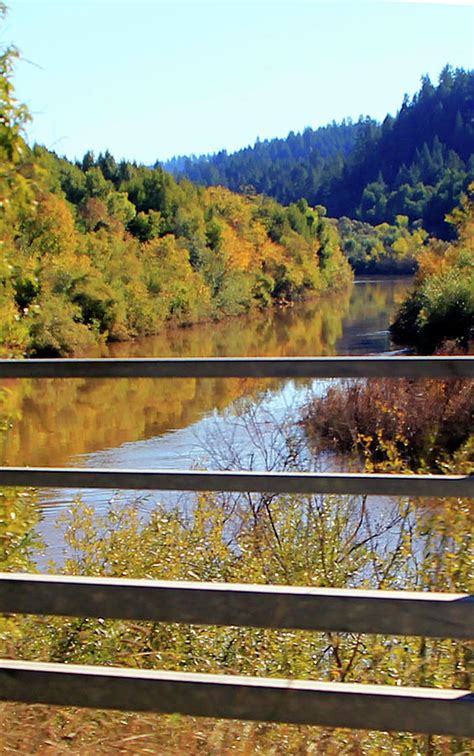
pixel 378 707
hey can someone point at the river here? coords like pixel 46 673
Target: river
pixel 142 423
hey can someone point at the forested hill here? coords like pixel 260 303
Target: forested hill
pixel 416 163
pixel 286 169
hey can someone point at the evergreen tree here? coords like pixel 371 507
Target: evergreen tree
pixel 424 155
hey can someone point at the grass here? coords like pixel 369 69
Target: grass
pixel 418 424
pixel 55 731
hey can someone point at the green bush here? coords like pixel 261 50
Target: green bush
pixel 56 330
pixel 440 309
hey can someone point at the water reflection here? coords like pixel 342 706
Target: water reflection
pixel 59 421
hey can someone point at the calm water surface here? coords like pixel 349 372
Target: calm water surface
pixel 143 423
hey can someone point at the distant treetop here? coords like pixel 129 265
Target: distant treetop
pixel 415 164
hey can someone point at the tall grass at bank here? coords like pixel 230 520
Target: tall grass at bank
pixel 396 423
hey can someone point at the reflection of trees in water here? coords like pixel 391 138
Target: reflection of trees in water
pixel 371 300
pixel 59 419
pixel 64 418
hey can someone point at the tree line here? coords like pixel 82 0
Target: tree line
pixel 415 164
pixel 99 250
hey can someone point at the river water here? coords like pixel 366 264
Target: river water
pixel 179 423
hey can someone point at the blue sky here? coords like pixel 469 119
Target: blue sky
pixel 148 80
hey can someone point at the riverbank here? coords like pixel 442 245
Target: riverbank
pixel 65 419
pixel 143 423
pixel 422 426
pixel 90 260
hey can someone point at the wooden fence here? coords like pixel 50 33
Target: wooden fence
pixel 377 707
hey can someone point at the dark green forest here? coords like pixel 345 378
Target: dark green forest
pixel 286 169
pixel 415 164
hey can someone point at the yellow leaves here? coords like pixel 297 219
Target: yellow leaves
pixel 234 208
pixel 18 518
pixel 462 217
pixel 438 259
pixel 271 254
pixel 237 252
pixel 432 262
pixel 13 330
pixel 181 291
pixel 401 246
pixel 173 258
pixel 257 236
pixel 49 233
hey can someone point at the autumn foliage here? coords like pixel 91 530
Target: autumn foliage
pixel 395 423
pixel 441 306
pixel 99 250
